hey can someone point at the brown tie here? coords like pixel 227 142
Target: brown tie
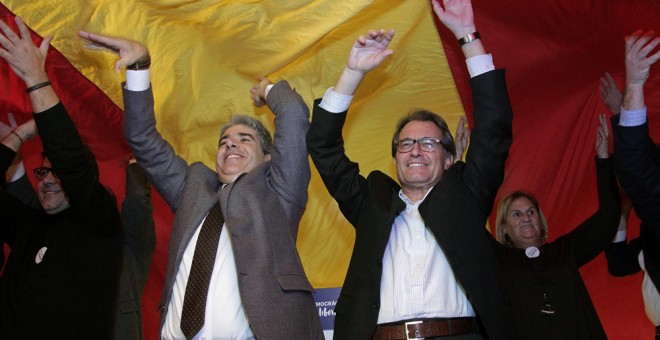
pixel 194 302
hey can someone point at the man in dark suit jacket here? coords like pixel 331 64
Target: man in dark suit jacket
pixel 422 265
pixel 139 246
pixel 258 287
pixel 629 258
pixel 637 165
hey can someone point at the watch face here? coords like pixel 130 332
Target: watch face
pixel 469 38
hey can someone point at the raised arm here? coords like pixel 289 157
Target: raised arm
pixel 491 136
pixel 368 51
pixel 71 160
pixel 27 61
pixel 622 256
pixel 458 17
pixel 18 184
pixel 462 138
pixel 324 140
pixel 156 156
pixel 596 233
pixel 639 58
pixel 131 53
pixel 636 157
pixel 14 208
pixel 16 135
pixel 610 94
pixel 290 171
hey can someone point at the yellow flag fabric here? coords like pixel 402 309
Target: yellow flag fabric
pixel 206 55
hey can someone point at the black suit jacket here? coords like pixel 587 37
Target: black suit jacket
pixel 637 166
pixel 455 210
pixel 622 257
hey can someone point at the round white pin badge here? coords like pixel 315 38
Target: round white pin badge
pixel 40 255
pixel 532 252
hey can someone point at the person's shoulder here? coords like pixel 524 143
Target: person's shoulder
pixel 380 178
pixel 200 169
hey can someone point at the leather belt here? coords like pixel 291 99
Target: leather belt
pixel 429 328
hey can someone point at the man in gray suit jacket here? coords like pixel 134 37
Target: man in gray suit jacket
pixel 258 287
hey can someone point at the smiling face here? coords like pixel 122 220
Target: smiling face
pixel 523 224
pixel 239 152
pixel 419 170
pixel 51 195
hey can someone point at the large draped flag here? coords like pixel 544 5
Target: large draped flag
pixel 207 54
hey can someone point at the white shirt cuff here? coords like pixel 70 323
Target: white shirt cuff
pixel 20 171
pixel 268 87
pixel 335 102
pixel 620 236
pixel 633 117
pixel 480 64
pixel 137 80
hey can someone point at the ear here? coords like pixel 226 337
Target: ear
pixel 267 158
pixel 449 160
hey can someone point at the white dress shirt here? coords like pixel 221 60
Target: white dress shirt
pixel 417 280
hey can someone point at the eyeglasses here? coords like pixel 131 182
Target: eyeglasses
pixel 41 173
pixel 426 144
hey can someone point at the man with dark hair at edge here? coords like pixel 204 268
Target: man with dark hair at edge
pixel 61 277
pixel 637 166
pixel 422 265
pixel 636 160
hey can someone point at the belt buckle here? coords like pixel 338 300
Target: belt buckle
pixel 405 325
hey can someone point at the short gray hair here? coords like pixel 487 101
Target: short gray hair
pixel 263 135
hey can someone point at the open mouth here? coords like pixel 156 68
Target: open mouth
pixel 233 155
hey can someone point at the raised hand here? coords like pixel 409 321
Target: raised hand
pixel 15 138
pixel 610 94
pixel 370 50
pixel 7 129
pixel 638 56
pixel 258 91
pixel 456 15
pixel 26 59
pixel 129 51
pixel 367 52
pixel 602 138
pixel 461 138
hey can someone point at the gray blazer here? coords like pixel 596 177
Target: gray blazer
pixel 262 210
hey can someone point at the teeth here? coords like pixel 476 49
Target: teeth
pixel 415 164
pixel 233 156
